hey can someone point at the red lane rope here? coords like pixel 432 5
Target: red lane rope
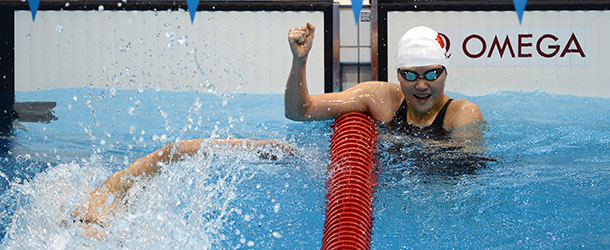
pixel 349 211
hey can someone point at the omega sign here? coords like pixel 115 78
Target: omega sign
pixel 504 46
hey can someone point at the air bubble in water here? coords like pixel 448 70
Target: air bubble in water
pixel 67 4
pixel 119 4
pixel 27 35
pixel 132 129
pixel 100 8
pixel 59 28
pixel 131 110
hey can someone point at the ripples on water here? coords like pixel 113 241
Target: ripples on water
pixel 548 187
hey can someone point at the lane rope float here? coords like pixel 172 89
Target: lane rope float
pixel 349 218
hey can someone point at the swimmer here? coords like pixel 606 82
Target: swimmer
pixel 103 200
pixel 418 105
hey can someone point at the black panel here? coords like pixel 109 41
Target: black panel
pixel 7 72
pixel 164 5
pixel 488 5
pixel 382 44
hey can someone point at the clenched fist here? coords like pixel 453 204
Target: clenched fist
pixel 301 39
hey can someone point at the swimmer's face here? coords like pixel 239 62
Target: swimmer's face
pixel 422 94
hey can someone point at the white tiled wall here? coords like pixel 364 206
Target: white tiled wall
pixel 239 52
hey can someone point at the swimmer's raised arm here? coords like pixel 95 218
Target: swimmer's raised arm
pixel 299 105
pixel 102 201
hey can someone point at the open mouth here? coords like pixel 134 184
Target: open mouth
pixel 422 98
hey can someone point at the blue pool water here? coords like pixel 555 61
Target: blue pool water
pixel 548 188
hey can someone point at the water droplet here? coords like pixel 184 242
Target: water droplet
pixel 131 110
pixel 28 35
pixel 119 4
pixel 182 40
pixel 277 235
pixel 100 8
pixel 59 28
pixel 250 243
pixel 276 208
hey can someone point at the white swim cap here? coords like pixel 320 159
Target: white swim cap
pixel 421 46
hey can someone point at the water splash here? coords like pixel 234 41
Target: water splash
pixel 191 203
pixel 206 83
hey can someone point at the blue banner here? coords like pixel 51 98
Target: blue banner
pixel 520 8
pixel 192 5
pixel 34 8
pixel 357 8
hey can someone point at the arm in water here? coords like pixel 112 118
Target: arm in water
pixel 102 201
pixel 373 98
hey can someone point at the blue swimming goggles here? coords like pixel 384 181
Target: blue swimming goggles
pixel 429 75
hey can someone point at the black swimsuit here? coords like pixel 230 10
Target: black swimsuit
pixel 425 157
pixel 435 130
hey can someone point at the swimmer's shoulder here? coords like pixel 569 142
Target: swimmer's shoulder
pixel 380 89
pixel 385 101
pixel 462 112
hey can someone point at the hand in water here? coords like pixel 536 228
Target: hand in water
pixel 301 39
pixel 97 213
pixel 268 153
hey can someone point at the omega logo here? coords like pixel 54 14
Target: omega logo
pixel 545 46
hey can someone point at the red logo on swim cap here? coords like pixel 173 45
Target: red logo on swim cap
pixel 440 41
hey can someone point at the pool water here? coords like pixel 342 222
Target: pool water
pixel 548 188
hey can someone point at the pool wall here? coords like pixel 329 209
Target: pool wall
pixel 235 51
pixel 551 51
pixel 557 45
